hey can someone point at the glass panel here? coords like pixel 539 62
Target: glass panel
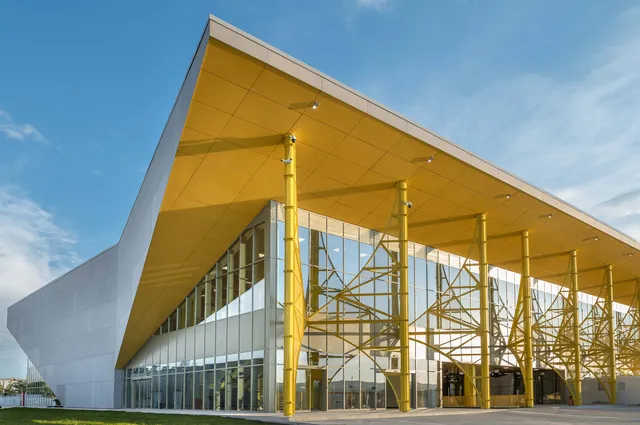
pixel 246 281
pixel 128 397
pixel 232 389
pixel 422 389
pixel 380 394
pixel 336 388
pixel 259 241
pixel 280 238
pixel 162 392
pixel 257 385
pixel 171 391
pixel 179 393
pixel 351 258
pixel 222 266
pixel 201 303
pixel 155 399
pixel 368 386
pixel 221 296
pixel 173 321
pixel 209 390
pixel 181 316
pixel 258 285
pixel 244 388
pixel 233 281
pixel 303 237
pixel 220 391
pixel 246 248
pixel 198 388
pixel 234 256
pixel 335 251
pixel 352 385
pixel 188 390
pixel 190 310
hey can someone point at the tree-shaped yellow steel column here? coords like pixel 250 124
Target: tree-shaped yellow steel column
pixel 520 339
pixel 403 241
pixel 294 302
pixel 577 366
pixel 483 332
pixel 611 328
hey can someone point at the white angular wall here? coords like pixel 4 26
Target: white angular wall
pixel 68 330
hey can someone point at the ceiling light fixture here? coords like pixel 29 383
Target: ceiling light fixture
pixel 593 238
pixel 508 196
pixel 549 215
pixel 315 105
pixel 430 159
pixel 629 254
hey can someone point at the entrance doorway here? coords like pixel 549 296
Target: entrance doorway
pixel 311 389
pixel 141 393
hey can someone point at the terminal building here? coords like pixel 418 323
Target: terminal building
pixel 297 246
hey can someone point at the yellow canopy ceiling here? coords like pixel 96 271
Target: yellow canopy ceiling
pixel 351 151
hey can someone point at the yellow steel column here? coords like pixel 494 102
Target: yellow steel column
pixel 577 377
pixel 470 393
pixel 289 402
pixel 485 377
pixel 611 330
pixel 403 240
pixel 527 374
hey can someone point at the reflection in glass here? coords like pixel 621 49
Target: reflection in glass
pixel 231 386
pixel 209 390
pixel 257 389
pixel 171 388
pixel 220 390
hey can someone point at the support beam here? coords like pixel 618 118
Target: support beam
pixel 525 288
pixel 577 367
pixel 403 240
pixel 483 287
pixel 539 257
pixel 611 331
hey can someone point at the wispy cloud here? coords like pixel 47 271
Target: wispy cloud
pixel 578 138
pixel 19 131
pixel 377 5
pixel 33 251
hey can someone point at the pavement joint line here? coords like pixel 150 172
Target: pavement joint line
pixel 567 415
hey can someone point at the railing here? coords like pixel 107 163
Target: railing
pixel 30 400
pixel 11 401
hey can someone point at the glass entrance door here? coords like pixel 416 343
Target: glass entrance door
pixel 141 393
pixel 311 389
pixel 316 383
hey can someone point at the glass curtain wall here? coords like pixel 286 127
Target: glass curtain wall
pixel 209 353
pixel 332 253
pixel 213 351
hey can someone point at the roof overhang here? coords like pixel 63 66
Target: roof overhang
pixel 351 152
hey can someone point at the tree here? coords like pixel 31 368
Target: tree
pixel 15 387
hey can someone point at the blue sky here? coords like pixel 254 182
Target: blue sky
pixel 548 90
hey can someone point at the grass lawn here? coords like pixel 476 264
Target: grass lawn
pixel 50 416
